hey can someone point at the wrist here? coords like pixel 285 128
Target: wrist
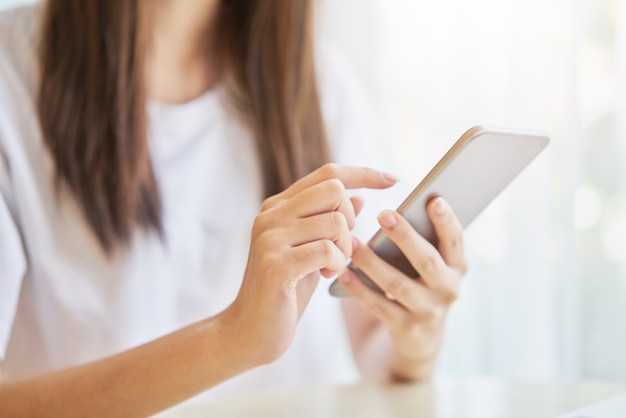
pixel 247 339
pixel 229 329
pixel 412 358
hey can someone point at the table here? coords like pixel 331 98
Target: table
pixel 441 398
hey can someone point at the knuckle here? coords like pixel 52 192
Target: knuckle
pixel 335 188
pixel 268 203
pixel 450 294
pixel 456 241
pixel 330 170
pixel 396 287
pixel 327 248
pixel 264 221
pixel 338 220
pixel 427 262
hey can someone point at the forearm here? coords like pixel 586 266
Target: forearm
pixel 138 382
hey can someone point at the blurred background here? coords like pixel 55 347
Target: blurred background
pixel 546 294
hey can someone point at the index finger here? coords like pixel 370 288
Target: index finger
pixel 351 177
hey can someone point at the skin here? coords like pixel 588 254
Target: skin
pixel 397 336
pixel 300 232
pixel 300 235
pixel 178 68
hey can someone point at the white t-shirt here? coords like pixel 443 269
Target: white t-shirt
pixel 62 302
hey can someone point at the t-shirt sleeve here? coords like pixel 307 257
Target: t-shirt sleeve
pixel 12 261
pixel 356 134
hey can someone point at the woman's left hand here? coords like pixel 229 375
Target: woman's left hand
pixel 412 311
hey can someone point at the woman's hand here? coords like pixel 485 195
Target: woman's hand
pixel 299 233
pixel 412 311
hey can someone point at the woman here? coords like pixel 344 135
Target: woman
pixel 138 140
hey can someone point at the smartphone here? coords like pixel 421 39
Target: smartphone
pixel 469 176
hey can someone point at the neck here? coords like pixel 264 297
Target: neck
pixel 178 63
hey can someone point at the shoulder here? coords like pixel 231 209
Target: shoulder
pixel 18 45
pixel 19 22
pixel 18 68
pixel 18 28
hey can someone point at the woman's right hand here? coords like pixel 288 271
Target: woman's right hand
pixel 299 234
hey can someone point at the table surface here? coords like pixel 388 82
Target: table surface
pixel 441 398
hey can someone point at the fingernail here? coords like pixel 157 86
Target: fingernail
pixel 388 219
pixel 390 178
pixel 345 278
pixel 355 243
pixel 440 206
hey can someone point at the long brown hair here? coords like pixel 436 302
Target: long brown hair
pixel 92 101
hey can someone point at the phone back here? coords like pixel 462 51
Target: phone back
pixel 473 172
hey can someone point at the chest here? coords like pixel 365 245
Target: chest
pixel 210 185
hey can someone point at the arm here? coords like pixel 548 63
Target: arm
pixel 299 233
pixel 397 336
pixel 138 382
